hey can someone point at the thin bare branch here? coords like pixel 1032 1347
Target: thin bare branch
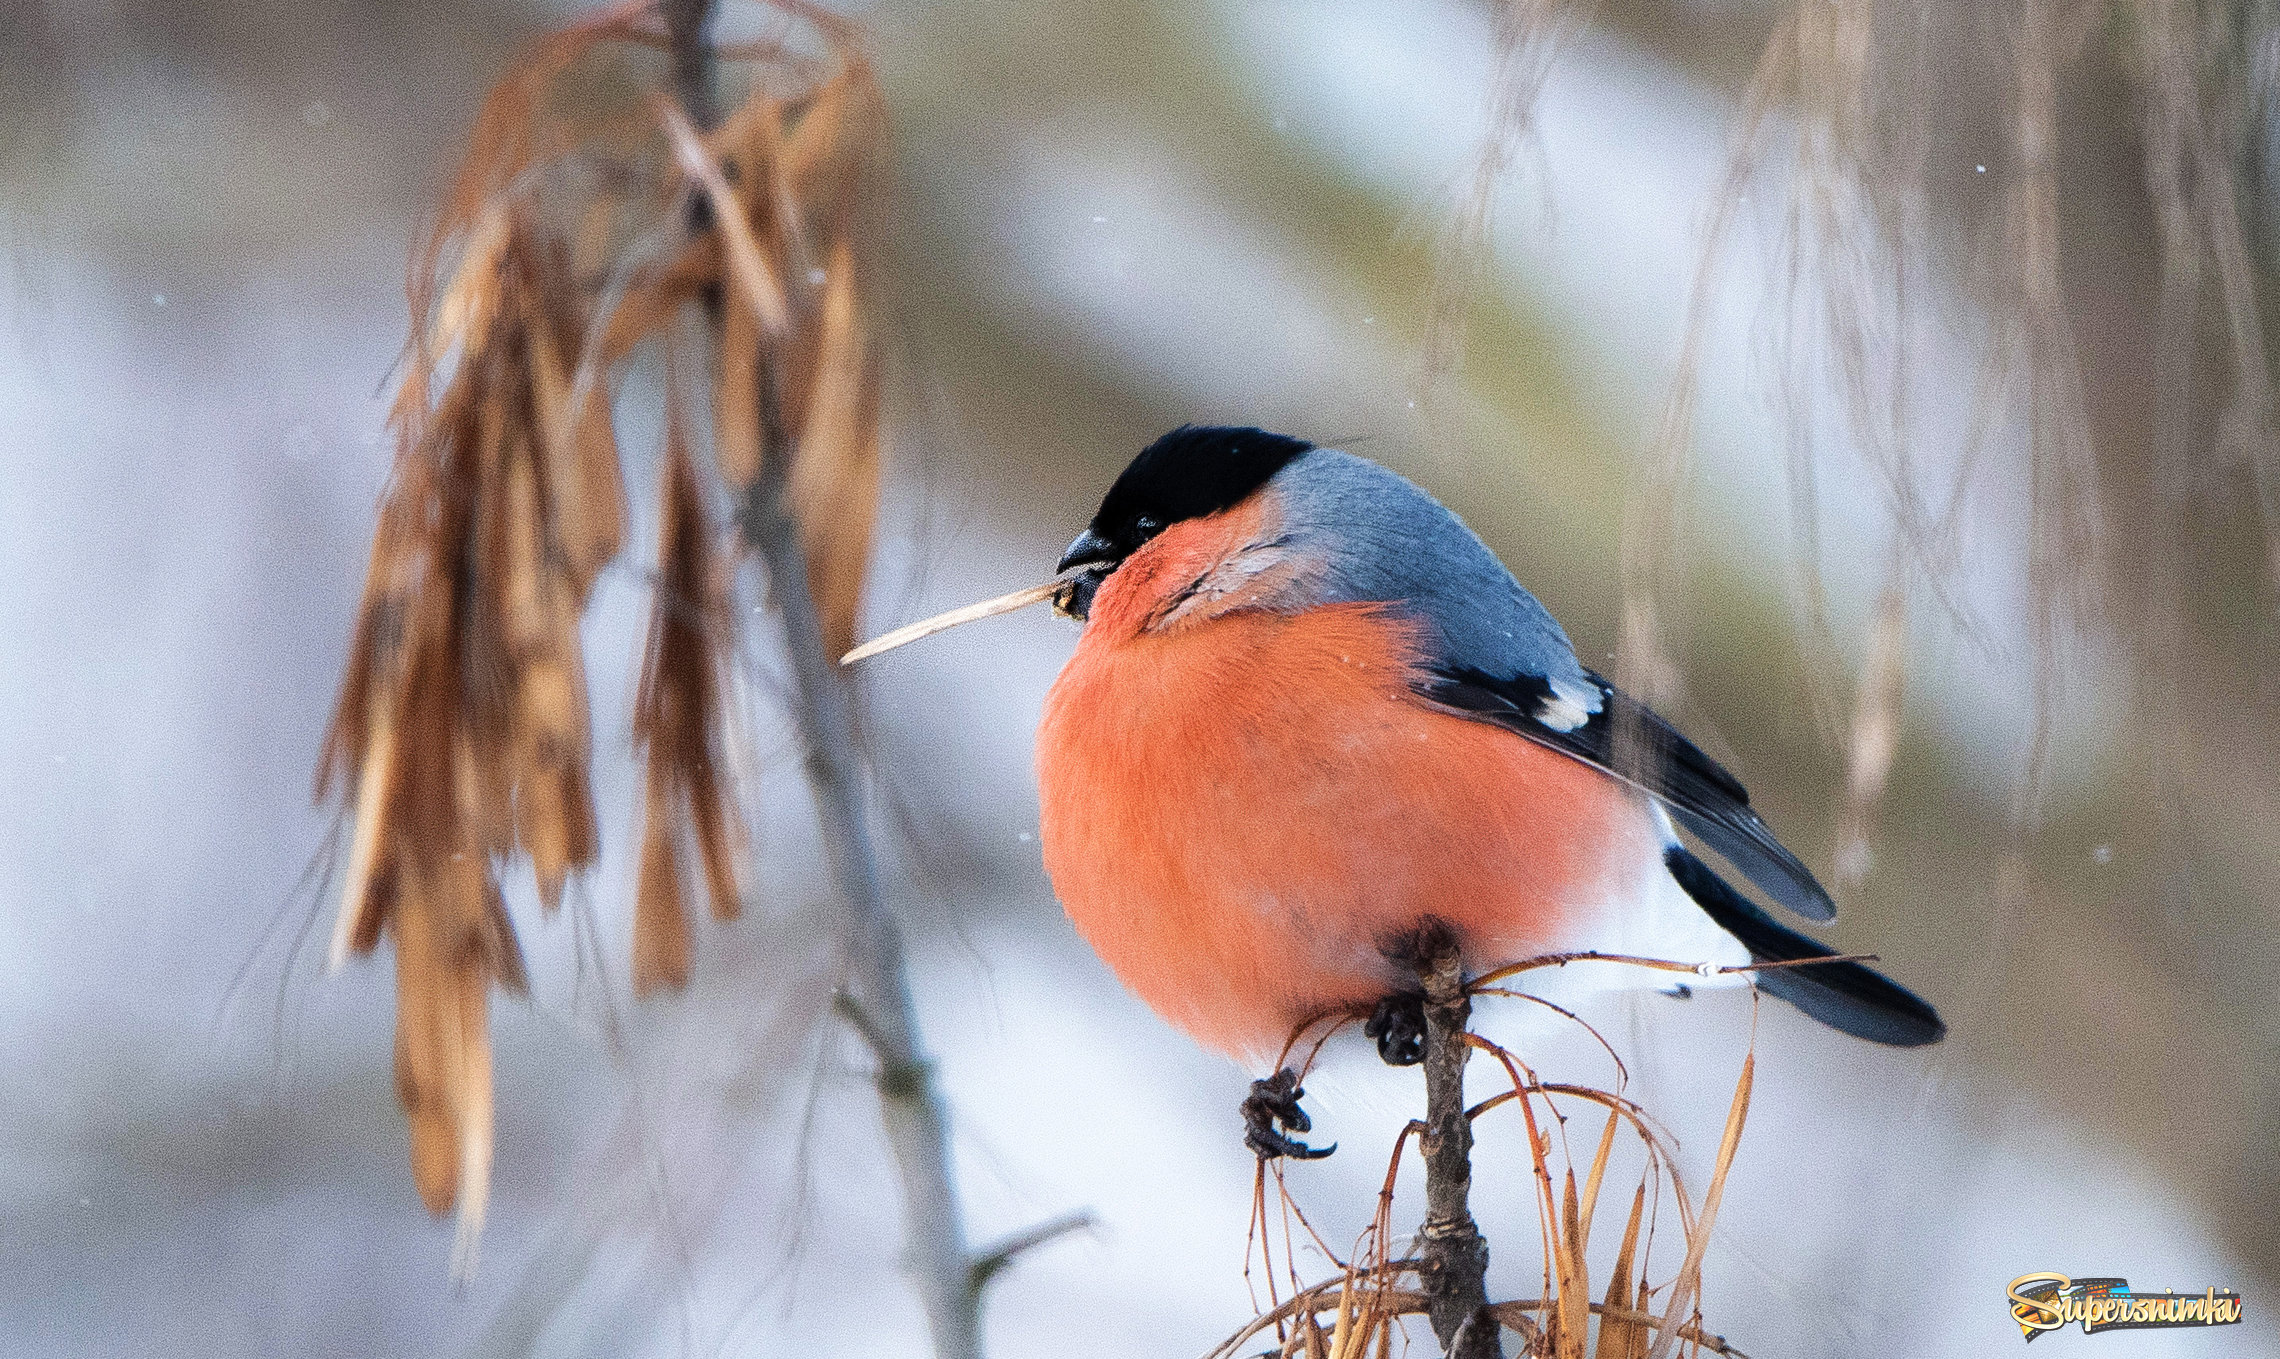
pixel 1452 1256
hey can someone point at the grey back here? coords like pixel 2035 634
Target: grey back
pixel 1383 539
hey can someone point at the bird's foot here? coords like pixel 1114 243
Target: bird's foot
pixel 1398 1025
pixel 1275 1100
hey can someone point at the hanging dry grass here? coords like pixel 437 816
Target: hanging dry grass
pixel 1651 518
pixel 1857 243
pixel 1529 34
pixel 1359 1312
pixel 584 218
pixel 1875 734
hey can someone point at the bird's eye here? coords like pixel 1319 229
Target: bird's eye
pixel 1148 524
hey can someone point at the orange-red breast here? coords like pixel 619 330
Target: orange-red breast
pixel 1310 711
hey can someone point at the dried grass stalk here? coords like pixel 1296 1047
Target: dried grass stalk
pixel 1373 1292
pixel 2038 359
pixel 834 484
pixel 1572 1316
pixel 462 719
pixel 798 359
pixel 749 269
pixel 1529 34
pixel 678 721
pixel 1875 736
pixel 1687 1287
pixel 736 398
pixel 587 506
pixel 830 153
pixel 1651 519
pixel 1621 1339
pixel 660 922
pixel 956 618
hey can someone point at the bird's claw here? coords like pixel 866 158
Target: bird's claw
pixel 1274 1100
pixel 1398 1025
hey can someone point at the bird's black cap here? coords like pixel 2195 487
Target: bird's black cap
pixel 1193 471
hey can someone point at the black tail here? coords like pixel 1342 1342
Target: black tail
pixel 1843 996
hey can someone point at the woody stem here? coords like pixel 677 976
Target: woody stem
pixel 1452 1255
pixel 877 1000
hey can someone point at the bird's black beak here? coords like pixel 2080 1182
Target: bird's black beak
pixel 1089 547
pixel 1101 557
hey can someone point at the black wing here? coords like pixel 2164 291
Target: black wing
pixel 1701 796
pixel 1844 996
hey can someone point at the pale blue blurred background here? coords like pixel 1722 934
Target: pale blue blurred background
pixel 1110 218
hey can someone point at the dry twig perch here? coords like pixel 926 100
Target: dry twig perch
pixel 1453 1257
pixel 1360 1312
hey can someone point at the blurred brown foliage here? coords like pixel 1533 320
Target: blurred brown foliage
pixel 586 218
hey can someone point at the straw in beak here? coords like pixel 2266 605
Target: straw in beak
pixel 943 622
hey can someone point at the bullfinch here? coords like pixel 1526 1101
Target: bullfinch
pixel 1310 713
